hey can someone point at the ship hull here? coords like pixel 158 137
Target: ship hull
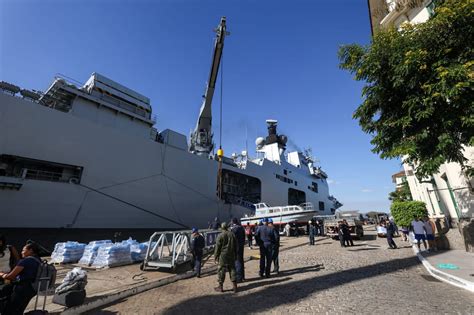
pixel 128 182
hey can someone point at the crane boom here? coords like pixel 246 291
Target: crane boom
pixel 201 138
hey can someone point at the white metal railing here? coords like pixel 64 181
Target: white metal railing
pixel 172 248
pixel 42 175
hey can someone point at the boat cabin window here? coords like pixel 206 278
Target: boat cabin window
pixel 321 206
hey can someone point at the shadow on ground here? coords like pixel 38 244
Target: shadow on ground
pixel 296 290
pixel 364 248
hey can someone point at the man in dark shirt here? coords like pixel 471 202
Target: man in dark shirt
pixel 390 232
pixel 239 233
pixel 311 232
pixel 266 240
pixel 276 247
pixel 346 233
pixel 197 246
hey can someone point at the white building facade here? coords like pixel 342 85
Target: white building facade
pixel 450 192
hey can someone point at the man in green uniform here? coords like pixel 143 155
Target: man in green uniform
pixel 225 255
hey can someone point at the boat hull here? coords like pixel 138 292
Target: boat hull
pixel 282 219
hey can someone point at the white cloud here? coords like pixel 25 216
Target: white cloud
pixel 331 181
pixel 366 190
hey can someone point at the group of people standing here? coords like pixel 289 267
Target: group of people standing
pixel 229 250
pixel 344 233
pixel 424 230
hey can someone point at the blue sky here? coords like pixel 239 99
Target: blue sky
pixel 280 62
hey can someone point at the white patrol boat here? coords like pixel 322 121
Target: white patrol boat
pixel 281 215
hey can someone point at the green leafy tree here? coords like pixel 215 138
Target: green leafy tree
pixel 419 88
pixel 403 212
pixel 401 194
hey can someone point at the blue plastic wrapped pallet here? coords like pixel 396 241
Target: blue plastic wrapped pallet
pixel 67 252
pixel 138 251
pixel 90 251
pixel 111 255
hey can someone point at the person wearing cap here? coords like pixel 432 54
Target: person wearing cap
pixel 265 240
pixel 239 233
pixel 276 247
pixel 225 255
pixel 311 232
pixel 197 247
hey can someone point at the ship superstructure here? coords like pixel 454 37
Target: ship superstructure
pixel 89 157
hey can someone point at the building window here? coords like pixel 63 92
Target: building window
pixel 431 8
pixel 321 206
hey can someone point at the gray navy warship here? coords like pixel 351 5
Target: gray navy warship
pixel 87 158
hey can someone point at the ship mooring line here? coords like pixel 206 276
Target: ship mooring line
pixel 188 187
pixel 171 199
pixel 135 206
pixel 131 181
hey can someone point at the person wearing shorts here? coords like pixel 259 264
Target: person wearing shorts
pixel 418 227
pixel 404 233
pixel 430 228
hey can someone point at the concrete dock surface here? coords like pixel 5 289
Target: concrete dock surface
pixel 366 278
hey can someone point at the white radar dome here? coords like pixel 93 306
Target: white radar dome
pixel 260 141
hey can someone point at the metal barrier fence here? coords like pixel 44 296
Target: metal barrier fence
pixel 172 248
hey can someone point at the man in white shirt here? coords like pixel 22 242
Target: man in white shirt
pixel 419 231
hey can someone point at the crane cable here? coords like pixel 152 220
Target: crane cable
pixel 134 206
pixel 222 89
pixel 220 152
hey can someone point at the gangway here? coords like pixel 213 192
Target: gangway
pixel 170 249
